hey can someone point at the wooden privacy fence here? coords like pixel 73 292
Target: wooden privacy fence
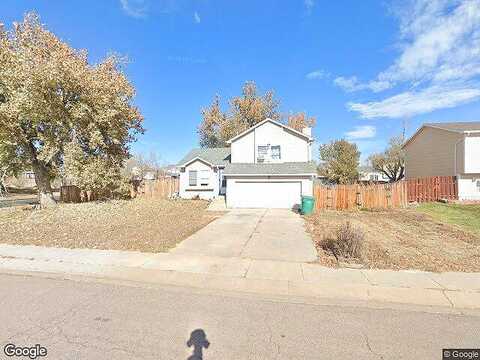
pixel 348 197
pixel 162 188
pixel 432 188
pixel 73 194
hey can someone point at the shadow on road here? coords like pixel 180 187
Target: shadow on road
pixel 198 339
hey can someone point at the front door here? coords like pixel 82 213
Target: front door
pixel 223 182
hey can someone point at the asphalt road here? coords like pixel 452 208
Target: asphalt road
pixel 94 320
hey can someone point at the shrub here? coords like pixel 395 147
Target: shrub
pixel 346 242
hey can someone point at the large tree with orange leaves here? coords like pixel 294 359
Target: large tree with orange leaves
pixel 51 97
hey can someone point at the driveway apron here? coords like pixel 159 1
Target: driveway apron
pixel 268 234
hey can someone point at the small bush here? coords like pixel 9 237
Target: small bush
pixel 346 242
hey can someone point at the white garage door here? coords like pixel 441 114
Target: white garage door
pixel 281 194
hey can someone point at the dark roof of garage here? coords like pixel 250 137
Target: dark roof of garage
pixel 214 156
pixel 286 168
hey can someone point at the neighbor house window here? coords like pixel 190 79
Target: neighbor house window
pixel 204 177
pixel 29 175
pixel 478 185
pixel 192 178
pixel 275 151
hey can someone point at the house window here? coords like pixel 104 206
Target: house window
pixel 276 152
pixel 29 175
pixel 478 185
pixel 267 153
pixel 192 178
pixel 262 153
pixel 374 177
pixel 204 177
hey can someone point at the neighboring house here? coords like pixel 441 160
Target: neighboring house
pixel 368 174
pixel 25 179
pixel 267 166
pixel 171 171
pixel 141 174
pixel 447 149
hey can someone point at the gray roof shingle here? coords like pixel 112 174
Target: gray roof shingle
pixel 457 126
pixel 287 168
pixel 214 156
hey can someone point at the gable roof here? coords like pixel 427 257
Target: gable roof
pixel 212 156
pixel 299 133
pixel 457 127
pixel 287 168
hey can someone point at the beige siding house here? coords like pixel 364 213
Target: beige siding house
pixel 447 149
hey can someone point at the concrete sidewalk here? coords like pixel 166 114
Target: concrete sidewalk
pixel 454 290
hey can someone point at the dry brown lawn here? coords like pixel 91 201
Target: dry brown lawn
pixel 401 239
pixel 147 225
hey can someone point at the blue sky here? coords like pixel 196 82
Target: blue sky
pixel 360 67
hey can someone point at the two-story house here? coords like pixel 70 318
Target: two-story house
pixel 446 149
pixel 267 166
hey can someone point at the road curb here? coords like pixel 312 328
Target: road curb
pixel 330 286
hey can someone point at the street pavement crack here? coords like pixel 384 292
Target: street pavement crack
pixel 369 347
pixel 448 299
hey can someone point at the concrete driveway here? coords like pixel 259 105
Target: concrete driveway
pixel 268 234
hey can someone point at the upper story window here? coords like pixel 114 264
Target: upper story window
pixel 275 150
pixel 267 153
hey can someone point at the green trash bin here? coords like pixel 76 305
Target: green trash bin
pixel 308 203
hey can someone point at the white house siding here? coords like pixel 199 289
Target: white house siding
pixel 267 191
pixel 204 192
pixel 293 147
pixel 243 149
pixel 472 154
pixel 467 187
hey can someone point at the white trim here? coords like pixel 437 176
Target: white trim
pixel 195 159
pixel 273 122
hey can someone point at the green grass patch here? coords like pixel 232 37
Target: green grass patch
pixel 467 217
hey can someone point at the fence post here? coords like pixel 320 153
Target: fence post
pixel 359 199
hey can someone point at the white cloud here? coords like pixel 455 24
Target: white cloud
pixel 412 103
pixel 352 84
pixel 361 132
pixel 309 5
pixel 442 42
pixel 439 57
pixel 317 75
pixel 134 8
pixel 196 18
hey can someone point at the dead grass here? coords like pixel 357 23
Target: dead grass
pixel 401 239
pixel 147 225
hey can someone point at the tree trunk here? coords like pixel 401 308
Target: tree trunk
pixel 42 179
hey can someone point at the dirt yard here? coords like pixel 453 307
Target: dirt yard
pixel 142 224
pixel 401 239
